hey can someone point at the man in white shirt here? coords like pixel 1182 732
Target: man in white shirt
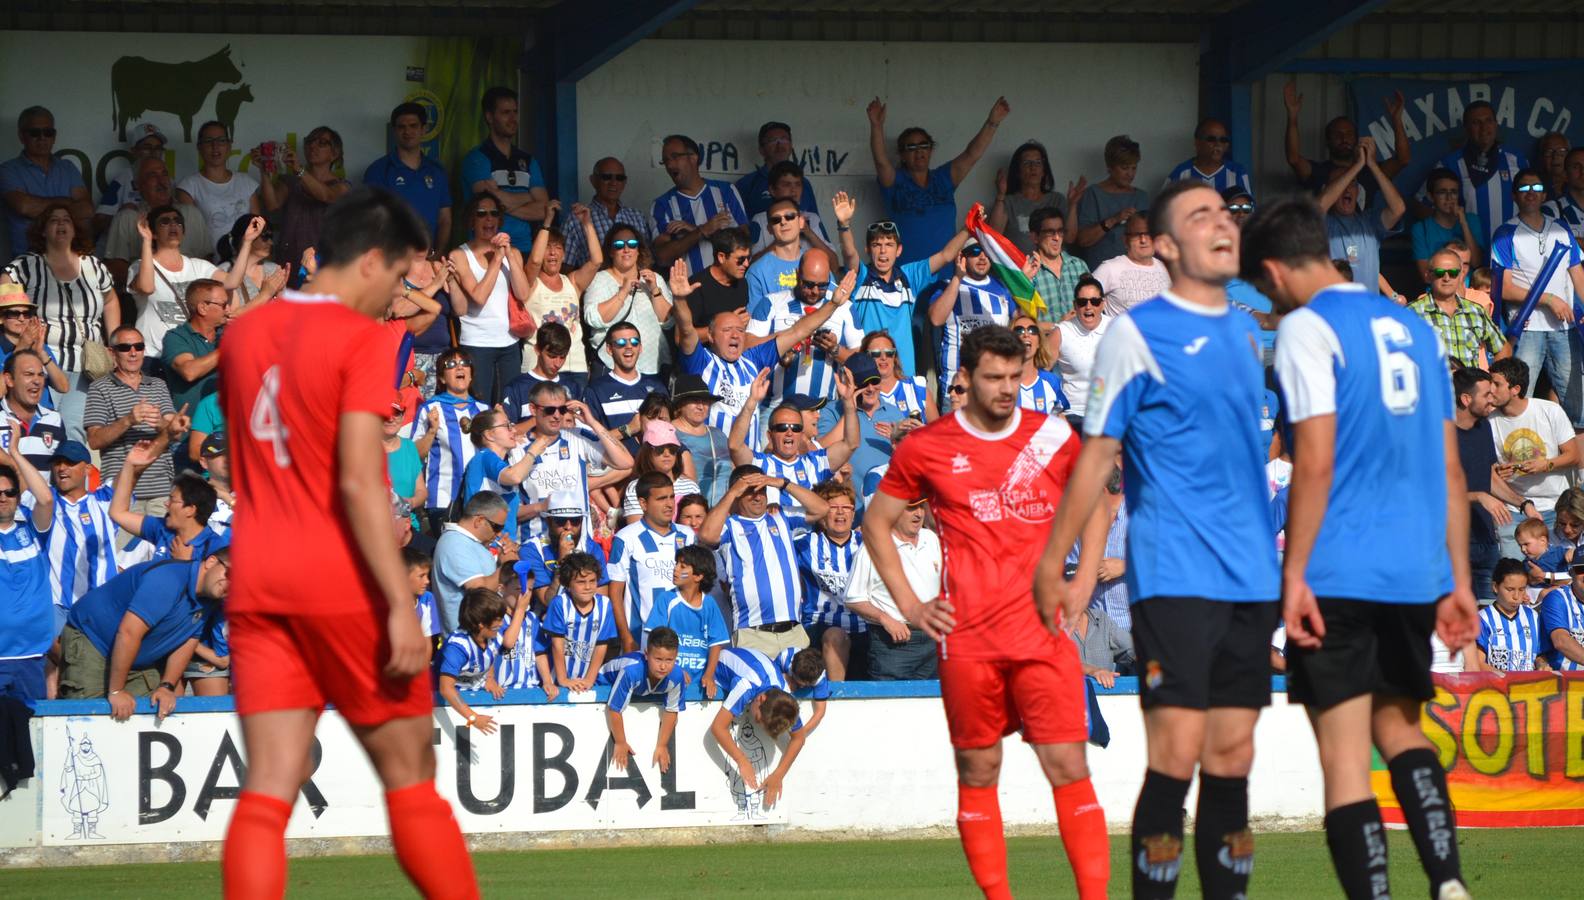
pixel 1535 445
pixel 1136 275
pixel 897 650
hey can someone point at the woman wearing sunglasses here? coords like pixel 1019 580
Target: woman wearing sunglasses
pixel 1074 343
pixel 912 395
pixel 302 193
pixel 1040 389
pixel 262 277
pixel 160 276
pixel 556 296
pixel 491 274
pixel 661 451
pixel 627 289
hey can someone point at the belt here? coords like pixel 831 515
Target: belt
pixel 776 627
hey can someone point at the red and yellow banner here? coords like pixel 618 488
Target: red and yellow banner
pixel 1513 748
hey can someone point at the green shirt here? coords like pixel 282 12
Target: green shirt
pixel 1464 332
pixel 183 339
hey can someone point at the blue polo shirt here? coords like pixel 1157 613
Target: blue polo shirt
pixel 874 448
pixel 162 592
pixel 427 188
pixel 25 175
pixel 514 174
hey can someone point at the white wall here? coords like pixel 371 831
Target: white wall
pixel 1072 97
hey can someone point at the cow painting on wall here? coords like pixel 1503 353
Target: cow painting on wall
pixel 139 85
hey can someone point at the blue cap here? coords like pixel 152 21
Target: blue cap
pixel 72 452
pixel 804 402
pixel 213 445
pixel 863 369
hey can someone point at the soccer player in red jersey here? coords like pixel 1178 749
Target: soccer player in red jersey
pixel 993 475
pixel 320 612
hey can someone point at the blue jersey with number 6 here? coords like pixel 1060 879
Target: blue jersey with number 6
pixel 1382 372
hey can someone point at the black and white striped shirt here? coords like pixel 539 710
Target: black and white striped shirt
pixel 72 310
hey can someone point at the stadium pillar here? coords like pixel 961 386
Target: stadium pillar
pixel 565 44
pixel 1246 44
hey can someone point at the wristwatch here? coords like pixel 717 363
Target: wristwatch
pixel 166 684
pixel 785 483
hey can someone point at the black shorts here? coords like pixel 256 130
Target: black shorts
pixel 1369 648
pixel 1200 654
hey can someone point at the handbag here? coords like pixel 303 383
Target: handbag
pixel 96 360
pixel 519 321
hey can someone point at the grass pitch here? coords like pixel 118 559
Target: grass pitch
pixel 1510 864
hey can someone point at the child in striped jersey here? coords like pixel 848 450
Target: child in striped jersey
pixel 650 675
pixel 419 566
pixel 527 665
pixel 1510 638
pixel 467 660
pixel 580 623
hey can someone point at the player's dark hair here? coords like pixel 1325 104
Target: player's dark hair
pixel 778 712
pixel 1506 567
pixel 662 638
pixel 480 606
pixel 649 482
pixel 369 218
pixel 454 353
pixel 198 286
pixel 654 405
pixel 808 665
pixel 153 214
pixel 33 112
pixel 701 561
pixel 1160 210
pixel 1465 379
pixel 1475 107
pixel 480 426
pixel 574 564
pixel 409 109
pixel 1289 230
pixel 1203 124
pixel 1514 371
pixel 1343 267
pixel 198 494
pixel 553 338
pixel 766 128
pixel 729 240
pixel 414 558
pixel 995 340
pixel 495 95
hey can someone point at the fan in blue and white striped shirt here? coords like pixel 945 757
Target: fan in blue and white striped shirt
pixel 1562 624
pixel 978 300
pixel 580 622
pixel 789 452
pixel 1510 639
pixel 81 546
pixel 443 420
pixel 1485 168
pixel 643 555
pixel 758 559
pixel 693 201
pixel 825 562
pixel 1209 164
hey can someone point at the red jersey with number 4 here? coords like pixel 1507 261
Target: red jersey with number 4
pixel 289 370
pixel 995 498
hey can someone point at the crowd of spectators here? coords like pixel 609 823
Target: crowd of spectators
pixel 621 429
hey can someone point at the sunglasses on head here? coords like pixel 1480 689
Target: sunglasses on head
pixel 1021 330
pixel 883 227
pixel 883 354
pixel 973 251
pixel 1079 302
pixel 784 427
pixel 625 342
pixel 40 132
pixel 128 347
pixel 1446 273
pixel 784 217
pixel 1530 188
pixel 625 244
pixel 456 364
pixel 611 176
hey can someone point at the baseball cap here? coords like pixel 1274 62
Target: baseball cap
pixel 863 369
pixel 72 452
pixel 213 445
pixel 660 434
pixel 971 242
pixel 804 402
pixel 145 131
pixel 13 295
pixel 564 505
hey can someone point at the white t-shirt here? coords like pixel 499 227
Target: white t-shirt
pixel 222 204
pixel 1077 359
pixel 166 308
pixel 921 563
pixel 1127 284
pixel 655 351
pixel 1537 433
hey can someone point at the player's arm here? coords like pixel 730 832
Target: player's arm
pixel 1077 516
pixel 558 659
pixel 364 492
pixel 709 533
pixel 1314 467
pixel 620 749
pixel 595 661
pixel 814 506
pixel 514 627
pixel 943 257
pixel 773 781
pixel 813 723
pixel 618 591
pixel 546 677
pixel 720 730
pixel 616 455
pixel 139 458
pixel 941 308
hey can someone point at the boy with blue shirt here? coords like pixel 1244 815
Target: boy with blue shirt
pixel 28 627
pixel 1562 622
pixel 419 567
pixel 650 675
pixel 580 623
pixel 470 655
pixel 688 611
pixel 756 691
pixel 1176 389
pixel 1376 555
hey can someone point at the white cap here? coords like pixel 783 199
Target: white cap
pixel 145 131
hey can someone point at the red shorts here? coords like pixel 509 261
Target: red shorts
pixel 297 662
pixel 987 699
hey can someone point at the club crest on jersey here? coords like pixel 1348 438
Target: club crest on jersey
pixel 464 423
pixel 566 452
pixel 429 181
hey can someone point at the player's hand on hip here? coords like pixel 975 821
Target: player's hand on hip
pixel 409 650
pixel 1301 613
pixel 937 618
pixel 1457 618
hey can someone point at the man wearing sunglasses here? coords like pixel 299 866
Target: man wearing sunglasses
pixel 22 329
pixel 124 408
pixel 1568 207
pixel 192 349
pixel 155 189
pixel 1519 252
pixel 788 450
pixel 813 370
pixel 970 299
pixel 776 268
pixel 616 395
pixel 787 183
pixel 1209 163
pixel 1341 140
pixel 35 177
pixel 609 181
pixel 1466 331
pixel 580 454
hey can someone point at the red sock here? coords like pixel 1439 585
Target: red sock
pixel 428 843
pixel 1083 833
pixel 253 863
pixel 979 824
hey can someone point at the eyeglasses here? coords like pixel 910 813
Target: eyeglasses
pixel 320 141
pixel 11 493
pixel 1021 330
pixel 1449 192
pixel 913 148
pixel 958 389
pixel 611 176
pixel 1048 232
pixel 456 364
pixel 163 221
pixel 218 140
pixel 1080 302
pixel 883 227
pixel 626 342
pixel 495 527
pixel 784 427
pixel 673 157
pixel 1240 208
pixel 40 132
pixel 973 251
pixel 1216 139
pixel 128 347
pixel 883 354
pixel 552 410
pixel 625 244
pixel 1530 188
pixel 20 314
pixel 785 217
pixel 1446 273
pixel 487 214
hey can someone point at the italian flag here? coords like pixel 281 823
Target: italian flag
pixel 1006 261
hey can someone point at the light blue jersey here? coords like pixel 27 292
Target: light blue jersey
pixel 698 628
pixel 1561 609
pixel 1511 643
pixel 1179 384
pixel 1380 369
pixel 1045 395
